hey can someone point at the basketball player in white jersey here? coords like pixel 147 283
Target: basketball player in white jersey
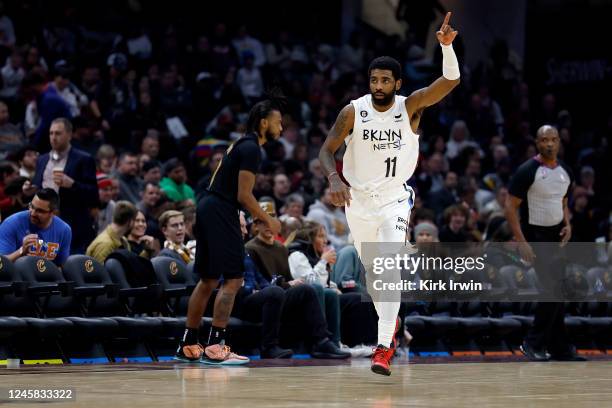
pixel 382 148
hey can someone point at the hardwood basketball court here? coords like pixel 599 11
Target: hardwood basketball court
pixel 316 383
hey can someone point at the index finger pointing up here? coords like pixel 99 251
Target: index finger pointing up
pixel 448 15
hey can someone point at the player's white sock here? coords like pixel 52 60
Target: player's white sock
pixel 387 316
pixel 386 302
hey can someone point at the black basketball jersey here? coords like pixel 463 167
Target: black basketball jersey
pixel 244 154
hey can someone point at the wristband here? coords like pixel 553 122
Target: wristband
pixel 450 65
pixel 331 174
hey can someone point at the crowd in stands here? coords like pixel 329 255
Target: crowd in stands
pixel 123 141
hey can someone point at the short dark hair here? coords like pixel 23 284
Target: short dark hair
pixel 34 77
pixel 124 212
pixel 150 164
pixel 125 154
pixel 66 122
pixel 150 183
pixel 49 195
pixel 388 63
pixel 20 154
pixel 7 167
pixel 172 164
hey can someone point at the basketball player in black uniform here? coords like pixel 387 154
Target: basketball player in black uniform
pixel 220 248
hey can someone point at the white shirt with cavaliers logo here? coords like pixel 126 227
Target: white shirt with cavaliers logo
pixel 382 151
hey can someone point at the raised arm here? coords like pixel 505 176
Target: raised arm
pixel 341 129
pixel 424 97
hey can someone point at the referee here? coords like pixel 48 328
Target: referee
pixel 220 249
pixel 539 191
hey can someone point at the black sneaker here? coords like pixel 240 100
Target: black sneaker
pixel 567 357
pixel 533 354
pixel 276 352
pixel 327 349
pixel 569 354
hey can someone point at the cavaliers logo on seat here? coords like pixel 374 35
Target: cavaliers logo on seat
pixel 173 268
pixel 40 265
pixel 89 266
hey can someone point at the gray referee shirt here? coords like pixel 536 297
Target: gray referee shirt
pixel 542 190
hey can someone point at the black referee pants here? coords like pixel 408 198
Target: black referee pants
pixel 548 331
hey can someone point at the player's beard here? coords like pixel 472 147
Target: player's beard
pixel 384 101
pixel 269 136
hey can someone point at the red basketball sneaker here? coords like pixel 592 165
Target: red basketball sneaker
pixel 397 327
pixel 381 359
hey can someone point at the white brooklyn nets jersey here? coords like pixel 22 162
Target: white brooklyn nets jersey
pixel 382 151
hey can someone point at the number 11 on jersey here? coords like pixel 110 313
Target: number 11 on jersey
pixel 389 160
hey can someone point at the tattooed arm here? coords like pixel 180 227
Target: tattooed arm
pixel 341 129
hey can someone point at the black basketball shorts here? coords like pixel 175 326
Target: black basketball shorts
pixel 219 244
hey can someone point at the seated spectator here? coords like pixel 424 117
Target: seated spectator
pixel 276 255
pixel 419 215
pixel 455 218
pixel 11 74
pixel 310 257
pixel 346 272
pixel 130 184
pixel 151 172
pixel 249 79
pixel 150 144
pixel 190 217
pixel 115 235
pixel 289 228
pixel 496 205
pixel 172 224
pixel 332 218
pixel 152 206
pixel 303 316
pixel 74 98
pixel 431 178
pixel 107 204
pixel 260 302
pixel 140 243
pixel 294 207
pixel 459 139
pixel 174 183
pixel 27 157
pixel 142 158
pixel 19 202
pixel 447 196
pixel 8 173
pixel 584 227
pixel 11 135
pixel 310 260
pixel 501 251
pixel 280 189
pixel 37 231
pixel 106 159
pixel 425 232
